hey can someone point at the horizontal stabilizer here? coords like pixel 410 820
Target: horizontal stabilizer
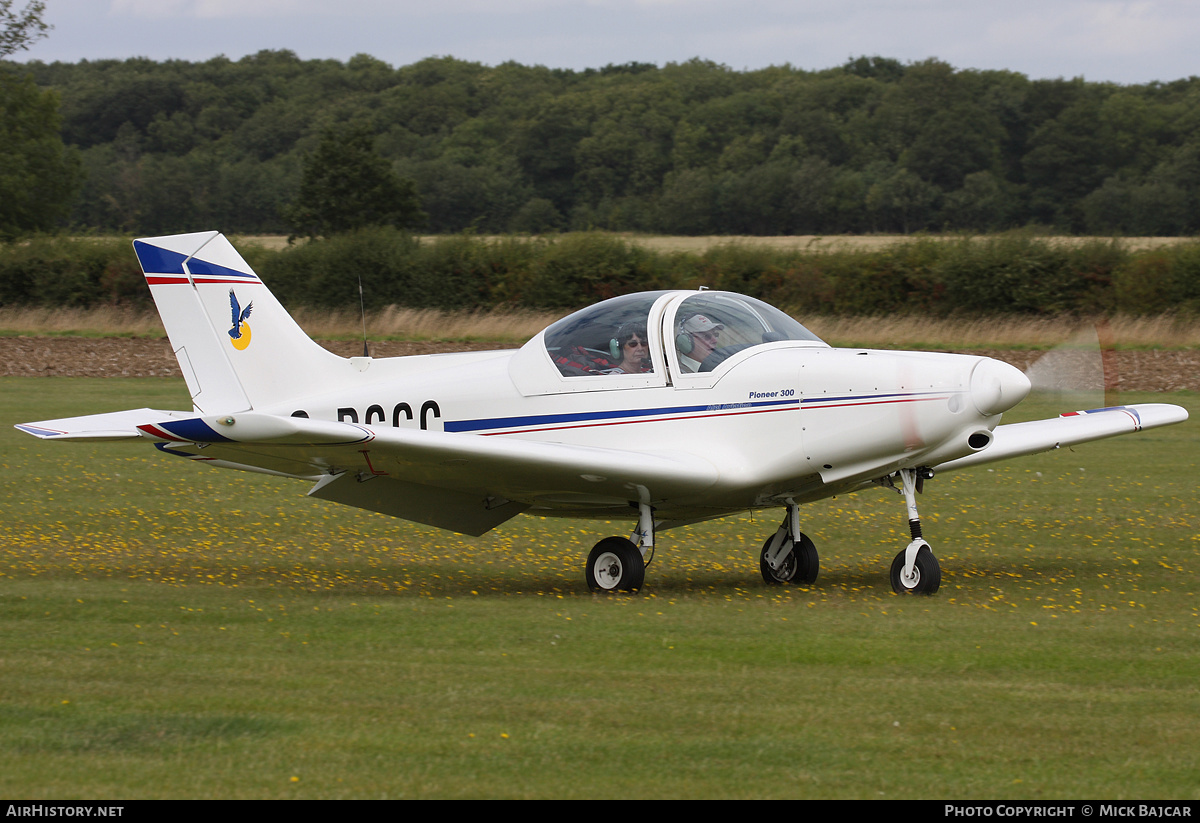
pixel 1072 428
pixel 186 427
pixel 122 425
pixel 255 427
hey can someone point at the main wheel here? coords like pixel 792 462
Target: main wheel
pixel 615 565
pixel 926 574
pixel 800 565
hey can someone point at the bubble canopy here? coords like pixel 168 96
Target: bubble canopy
pixel 739 323
pixel 586 343
pixel 581 344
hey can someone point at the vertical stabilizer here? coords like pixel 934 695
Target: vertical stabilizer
pixel 237 346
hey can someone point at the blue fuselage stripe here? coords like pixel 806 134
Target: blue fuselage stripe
pixel 592 417
pixel 632 415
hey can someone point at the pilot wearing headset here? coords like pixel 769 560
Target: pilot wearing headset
pixel 696 340
pixel 630 350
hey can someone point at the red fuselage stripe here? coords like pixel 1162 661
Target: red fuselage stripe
pixel 704 416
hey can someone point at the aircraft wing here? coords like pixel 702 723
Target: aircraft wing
pixel 470 483
pixel 464 482
pixel 1018 439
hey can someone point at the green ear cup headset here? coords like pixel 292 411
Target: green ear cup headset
pixel 684 343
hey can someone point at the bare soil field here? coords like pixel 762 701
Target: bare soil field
pixel 1155 370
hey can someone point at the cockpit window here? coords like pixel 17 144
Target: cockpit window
pixel 604 339
pixel 712 326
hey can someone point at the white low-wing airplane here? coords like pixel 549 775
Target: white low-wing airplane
pixel 668 407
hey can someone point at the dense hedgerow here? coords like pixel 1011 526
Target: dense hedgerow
pixel 53 271
pixel 1166 279
pixel 1003 274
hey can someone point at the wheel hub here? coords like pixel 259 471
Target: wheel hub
pixel 608 570
pixel 787 568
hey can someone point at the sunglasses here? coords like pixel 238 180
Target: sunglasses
pixel 634 344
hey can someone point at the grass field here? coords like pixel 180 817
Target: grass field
pixel 168 630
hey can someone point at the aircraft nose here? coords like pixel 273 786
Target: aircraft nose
pixel 997 387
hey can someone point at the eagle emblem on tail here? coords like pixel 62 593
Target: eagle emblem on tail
pixel 240 331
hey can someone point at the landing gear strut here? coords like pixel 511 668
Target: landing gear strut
pixel 789 556
pixel 915 570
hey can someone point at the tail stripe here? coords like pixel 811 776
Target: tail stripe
pixel 182 280
pixel 160 261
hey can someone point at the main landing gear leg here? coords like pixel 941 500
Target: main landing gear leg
pixel 617 564
pixel 789 556
pixel 915 570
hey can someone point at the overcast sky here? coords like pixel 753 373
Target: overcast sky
pixel 1100 40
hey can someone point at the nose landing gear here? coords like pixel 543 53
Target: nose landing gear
pixel 789 556
pixel 915 570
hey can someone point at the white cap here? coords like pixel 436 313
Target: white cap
pixel 699 323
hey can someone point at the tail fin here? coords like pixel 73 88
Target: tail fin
pixel 237 346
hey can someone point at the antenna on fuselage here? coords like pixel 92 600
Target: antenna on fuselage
pixel 362 307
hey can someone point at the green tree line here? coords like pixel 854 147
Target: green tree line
pixel 994 275
pixel 38 174
pixel 873 145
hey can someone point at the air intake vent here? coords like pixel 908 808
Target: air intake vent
pixel 979 440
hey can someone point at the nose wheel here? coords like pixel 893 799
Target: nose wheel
pixel 924 576
pixel 915 570
pixel 789 556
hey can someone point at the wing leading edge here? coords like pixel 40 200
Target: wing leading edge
pixel 1018 439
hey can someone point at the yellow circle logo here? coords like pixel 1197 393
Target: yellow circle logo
pixel 243 340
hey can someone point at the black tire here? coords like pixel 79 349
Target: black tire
pixel 926 570
pixel 801 565
pixel 615 565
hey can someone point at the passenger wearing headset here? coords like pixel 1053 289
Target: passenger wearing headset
pixel 630 350
pixel 696 340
